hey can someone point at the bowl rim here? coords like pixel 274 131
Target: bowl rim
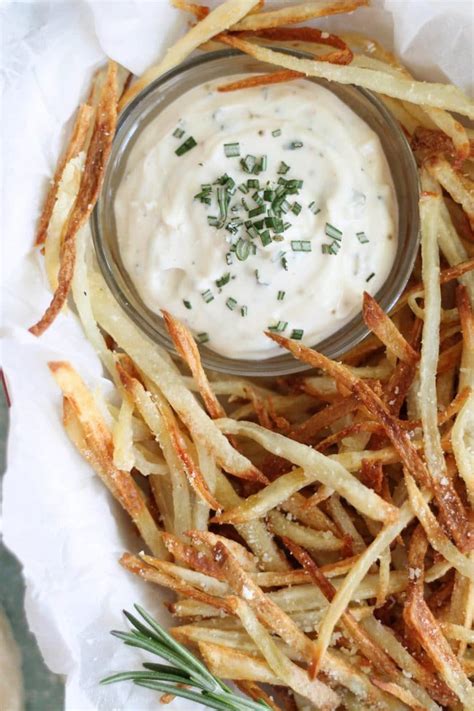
pixel 285 364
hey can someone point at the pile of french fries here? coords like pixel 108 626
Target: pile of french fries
pixel 317 529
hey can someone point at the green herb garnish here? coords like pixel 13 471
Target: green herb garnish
pixel 276 132
pixel 183 675
pixel 279 327
pixel 186 146
pixel 187 304
pixel 223 280
pixel 207 296
pixel 297 334
pixel 202 337
pixel 370 277
pixel 333 232
pixel 178 133
pixel 232 150
pixel 301 245
pixel 243 311
pixel 281 295
pixel 362 237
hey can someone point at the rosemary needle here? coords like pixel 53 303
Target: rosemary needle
pixel 185 676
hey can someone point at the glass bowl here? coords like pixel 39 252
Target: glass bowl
pixel 145 107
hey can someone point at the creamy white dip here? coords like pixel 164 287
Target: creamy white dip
pixel 335 231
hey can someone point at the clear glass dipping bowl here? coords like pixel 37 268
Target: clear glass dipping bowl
pixel 145 107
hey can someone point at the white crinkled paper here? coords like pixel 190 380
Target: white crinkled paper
pixel 57 517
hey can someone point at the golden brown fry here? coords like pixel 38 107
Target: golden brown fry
pixel 76 144
pixel 294 14
pixel 220 19
pixel 377 320
pixel 99 452
pixel 190 468
pixel 189 352
pixel 91 183
pixel 444 96
pixel 420 619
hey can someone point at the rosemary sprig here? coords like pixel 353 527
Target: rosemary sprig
pixel 185 676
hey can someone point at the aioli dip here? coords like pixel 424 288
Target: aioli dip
pixel 265 208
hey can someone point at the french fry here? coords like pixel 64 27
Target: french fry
pixel 325 470
pixel 314 540
pixel 419 618
pixel 294 14
pixel 99 452
pixel 317 692
pixel 151 361
pixel 444 96
pixel 93 175
pixel 187 349
pixel 224 16
pixel 378 322
pixel 459 187
pixel 76 144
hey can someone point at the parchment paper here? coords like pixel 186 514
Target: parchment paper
pixel 57 517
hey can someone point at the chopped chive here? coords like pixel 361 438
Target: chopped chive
pixel 332 231
pixel 178 133
pixel 370 276
pixel 257 211
pixel 207 296
pixel 258 197
pixel 231 303
pixel 281 295
pixel 278 238
pixel 252 231
pixel 244 204
pixel 362 237
pixel 253 183
pixel 284 263
pixel 243 311
pixel 187 304
pixel 243 188
pixel 296 144
pixel 292 186
pixel 297 334
pixel 265 237
pixel 275 223
pixel 268 195
pixel 202 337
pixel 212 220
pixel 186 146
pixel 248 163
pixel 301 245
pixel 228 258
pixel 232 150
pixel 283 168
pixel 253 248
pixel 296 208
pixel 314 209
pixel 259 224
pixel 286 225
pixel 279 327
pixel 223 280
pixel 242 249
pixel 276 132
pixel 330 248
pixel 257 277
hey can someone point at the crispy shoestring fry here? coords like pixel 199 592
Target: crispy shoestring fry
pixel 418 617
pixel 324 470
pixel 297 13
pixel 92 177
pixel 437 95
pixel 220 19
pixel 99 451
pixel 76 144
